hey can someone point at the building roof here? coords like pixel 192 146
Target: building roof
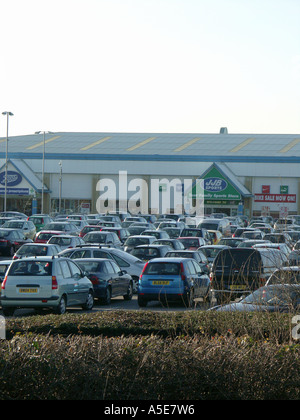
pixel 157 146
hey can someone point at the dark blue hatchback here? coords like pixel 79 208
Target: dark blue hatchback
pixel 172 279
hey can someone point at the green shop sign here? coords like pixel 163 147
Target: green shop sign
pixel 214 186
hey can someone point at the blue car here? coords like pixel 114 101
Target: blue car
pixel 172 279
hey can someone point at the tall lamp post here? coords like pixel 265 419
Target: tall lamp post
pixel 8 114
pixel 43 165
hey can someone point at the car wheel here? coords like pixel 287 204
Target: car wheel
pixel 62 306
pixel 129 293
pixel 107 298
pixel 88 306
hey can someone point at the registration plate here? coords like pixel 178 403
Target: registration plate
pixel 160 282
pixel 28 290
pixel 238 287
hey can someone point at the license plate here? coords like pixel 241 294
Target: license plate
pixel 27 290
pixel 160 283
pixel 238 287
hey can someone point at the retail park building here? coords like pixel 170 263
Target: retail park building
pixel 252 174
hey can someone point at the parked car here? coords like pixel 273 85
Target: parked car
pixel 14 214
pixel 43 236
pixel 27 227
pixel 198 256
pixel 173 232
pixel 192 242
pixel 122 233
pixel 197 232
pixel 239 271
pixel 11 240
pixel 294 258
pixel 159 234
pixel 276 238
pixel 215 236
pixel 284 248
pixel 136 240
pixel 285 275
pixel 253 234
pixel 211 251
pixel 136 230
pixel 45 282
pixel 172 279
pixel 31 249
pixel 223 225
pixel 40 220
pixel 66 241
pixel 125 261
pixel 232 242
pixel 108 279
pixel 89 228
pixel 147 252
pixel 67 227
pixel 104 238
pixel 173 243
pixel 273 298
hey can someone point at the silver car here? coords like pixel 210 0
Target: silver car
pixel 134 266
pixel 45 282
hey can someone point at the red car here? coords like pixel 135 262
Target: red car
pixel 192 242
pixel 43 236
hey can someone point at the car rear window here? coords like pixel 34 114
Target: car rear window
pixel 162 268
pixel 144 253
pixel 237 258
pixel 32 250
pixel 30 268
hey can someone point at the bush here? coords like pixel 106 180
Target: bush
pixel 145 355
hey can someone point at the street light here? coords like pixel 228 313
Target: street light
pixel 60 186
pixel 8 114
pixel 43 165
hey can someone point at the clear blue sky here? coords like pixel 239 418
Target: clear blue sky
pixel 150 65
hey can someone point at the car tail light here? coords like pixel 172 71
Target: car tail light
pixel 54 283
pixel 183 277
pixel 211 276
pixel 143 270
pixel 4 283
pixel 94 279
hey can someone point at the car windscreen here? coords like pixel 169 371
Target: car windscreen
pixel 189 242
pixel 32 250
pixel 30 268
pixel 209 226
pixel 233 259
pixel 162 268
pixel 137 241
pixel 95 237
pixel 145 253
pixel 60 240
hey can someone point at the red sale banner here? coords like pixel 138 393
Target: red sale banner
pixel 275 198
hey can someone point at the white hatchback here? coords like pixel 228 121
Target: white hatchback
pixel 45 282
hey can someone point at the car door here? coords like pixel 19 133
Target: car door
pixel 81 288
pixel 67 284
pixel 114 271
pixel 202 280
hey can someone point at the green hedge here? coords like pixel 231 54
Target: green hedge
pixel 141 355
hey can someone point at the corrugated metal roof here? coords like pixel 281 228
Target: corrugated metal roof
pixel 171 146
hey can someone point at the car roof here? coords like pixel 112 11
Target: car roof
pixel 170 259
